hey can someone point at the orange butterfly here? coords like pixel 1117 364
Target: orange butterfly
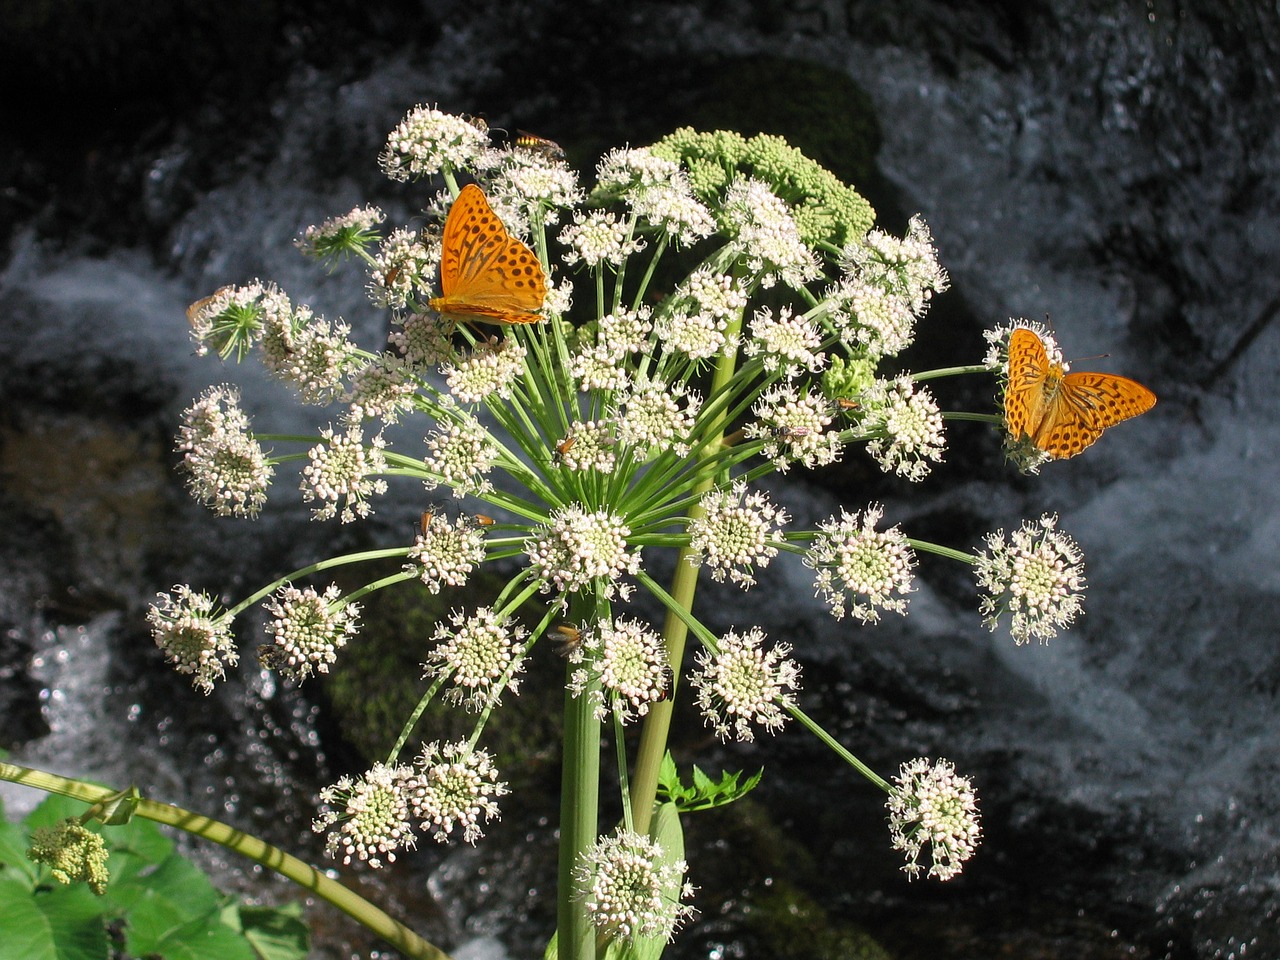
pixel 1063 413
pixel 486 274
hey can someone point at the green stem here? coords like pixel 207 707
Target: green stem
pixel 303 874
pixel 657 725
pixel 835 745
pixel 951 371
pixel 579 804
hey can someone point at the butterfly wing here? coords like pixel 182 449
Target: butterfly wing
pixel 1084 405
pixel 1024 401
pixel 485 273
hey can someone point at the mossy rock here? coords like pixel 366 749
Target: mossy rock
pixel 778 918
pixel 820 111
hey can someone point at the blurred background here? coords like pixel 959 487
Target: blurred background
pixel 1112 165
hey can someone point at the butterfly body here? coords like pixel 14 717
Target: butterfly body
pixel 486 274
pixel 1063 413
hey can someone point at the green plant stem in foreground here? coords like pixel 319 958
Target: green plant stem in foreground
pixel 579 810
pixel 657 725
pixel 290 867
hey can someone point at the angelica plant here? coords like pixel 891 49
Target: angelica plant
pixel 582 419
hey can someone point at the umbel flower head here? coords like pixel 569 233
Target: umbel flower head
pixel 631 890
pixel 869 569
pixel 480 654
pixel 371 815
pixel 742 683
pixel 932 806
pixel 454 786
pixel 195 639
pixel 73 853
pixel 307 630
pixel 1036 575
pixel 226 467
pixel 630 664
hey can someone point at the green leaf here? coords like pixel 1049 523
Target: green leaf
pixel 174 892
pixel 705 792
pixel 13 854
pixel 61 924
pixel 204 938
pixel 275 933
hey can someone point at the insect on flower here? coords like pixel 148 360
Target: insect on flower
pixel 193 311
pixel 568 639
pixel 563 447
pixel 1063 413
pixel 547 149
pixel 486 274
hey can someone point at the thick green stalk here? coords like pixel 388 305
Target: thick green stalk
pixel 579 808
pixel 657 725
pixel 303 874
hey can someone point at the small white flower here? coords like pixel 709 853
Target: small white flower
pixel 787 344
pixel 1036 576
pixel 737 532
pixel 765 234
pixel 340 471
pixel 309 353
pixel 373 812
pixel 480 654
pixel 651 419
pixel 598 237
pixel 307 630
pixel 628 660
pixel 382 388
pixel 589 446
pixel 907 426
pixel 794 428
pixel 404 269
pixel 631 889
pixel 932 805
pixel 574 548
pixel 339 236
pixel 906 268
pixel 194 639
pixel 454 786
pixel 226 467
pixel 428 142
pixel 445 553
pixel 743 683
pixel 870 569
pixel 459 455
pixel 489 370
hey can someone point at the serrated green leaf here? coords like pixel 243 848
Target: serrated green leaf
pixel 174 892
pixel 60 924
pixel 702 783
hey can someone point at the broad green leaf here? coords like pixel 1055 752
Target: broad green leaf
pixel 203 938
pixel 275 933
pixel 60 924
pixel 13 854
